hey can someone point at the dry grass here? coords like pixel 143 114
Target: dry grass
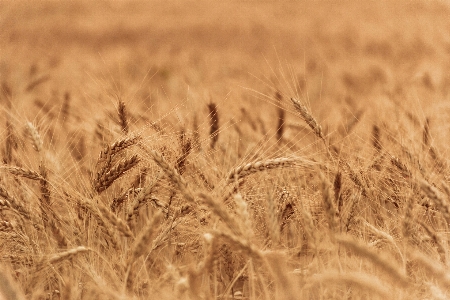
pixel 236 150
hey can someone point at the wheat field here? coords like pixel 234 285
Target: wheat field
pixel 224 150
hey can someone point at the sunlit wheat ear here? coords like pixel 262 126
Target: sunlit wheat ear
pixel 312 123
pixel 35 137
pixel 357 180
pixel 105 180
pixel 58 257
pixel 258 166
pixel 107 172
pixel 22 172
pixel 58 234
pixel 9 202
pixel 107 155
pixel 308 118
pixel 396 162
pixel 44 185
pixel 43 180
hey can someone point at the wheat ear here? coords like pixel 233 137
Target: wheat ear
pixel 214 124
pixel 115 221
pixel 21 172
pixel 103 181
pixel 258 166
pixel 142 197
pixel 173 175
pixel 67 254
pixel 308 118
pixel 123 117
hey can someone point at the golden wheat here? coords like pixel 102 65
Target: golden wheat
pixel 136 167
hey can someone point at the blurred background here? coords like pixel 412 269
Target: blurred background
pixel 238 53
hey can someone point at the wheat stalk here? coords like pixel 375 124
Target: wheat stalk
pixel 269 164
pixel 103 181
pixel 67 254
pixel 214 124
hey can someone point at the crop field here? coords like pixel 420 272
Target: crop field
pixel 224 150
